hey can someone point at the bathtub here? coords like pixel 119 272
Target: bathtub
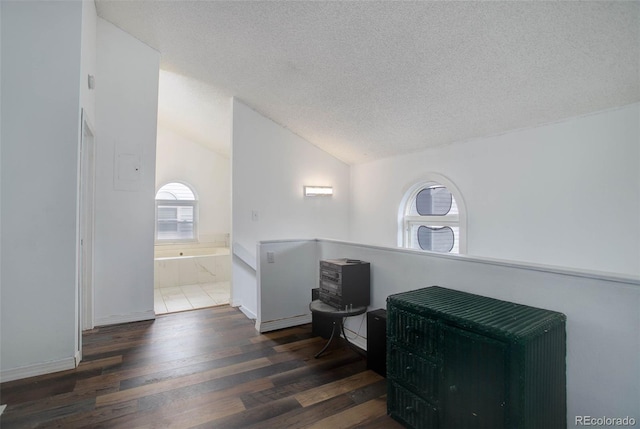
pixel 176 265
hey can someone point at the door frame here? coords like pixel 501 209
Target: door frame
pixel 86 215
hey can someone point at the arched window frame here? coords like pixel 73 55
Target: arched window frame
pixel 178 203
pixel 407 220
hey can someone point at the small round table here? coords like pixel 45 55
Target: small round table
pixel 335 315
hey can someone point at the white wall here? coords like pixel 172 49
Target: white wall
pixel 565 194
pixel 41 47
pixel 209 173
pixel 270 166
pixel 1 212
pixel 244 284
pixel 603 322
pixel 88 106
pixel 126 123
pixel 88 58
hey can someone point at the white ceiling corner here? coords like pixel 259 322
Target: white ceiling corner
pixel 366 80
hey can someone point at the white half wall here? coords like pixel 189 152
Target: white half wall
pixel 179 159
pixel 289 267
pixel 603 322
pixel 270 166
pixel 126 123
pixel 41 48
pixel 564 194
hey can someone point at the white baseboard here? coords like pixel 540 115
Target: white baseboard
pixel 126 318
pixel 77 357
pixel 250 314
pixel 272 325
pixel 37 369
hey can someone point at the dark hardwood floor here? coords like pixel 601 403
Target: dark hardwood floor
pixel 205 368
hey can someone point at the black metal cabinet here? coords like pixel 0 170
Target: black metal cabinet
pixel 459 360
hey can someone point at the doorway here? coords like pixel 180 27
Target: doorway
pixel 192 269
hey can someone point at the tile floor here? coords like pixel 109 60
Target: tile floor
pixel 181 298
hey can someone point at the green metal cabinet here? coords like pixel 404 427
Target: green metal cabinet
pixel 459 360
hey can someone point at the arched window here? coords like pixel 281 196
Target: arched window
pixel 432 218
pixel 176 213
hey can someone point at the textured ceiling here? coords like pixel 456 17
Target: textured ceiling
pixel 366 80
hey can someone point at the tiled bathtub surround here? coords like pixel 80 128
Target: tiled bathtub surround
pixel 210 242
pixel 189 270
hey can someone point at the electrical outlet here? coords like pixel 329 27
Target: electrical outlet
pixel 270 257
pixel 255 216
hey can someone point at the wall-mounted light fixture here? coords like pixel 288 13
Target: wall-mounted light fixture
pixel 318 191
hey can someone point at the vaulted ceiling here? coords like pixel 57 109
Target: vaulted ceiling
pixel 366 80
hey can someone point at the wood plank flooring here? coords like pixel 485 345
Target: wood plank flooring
pixel 205 368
